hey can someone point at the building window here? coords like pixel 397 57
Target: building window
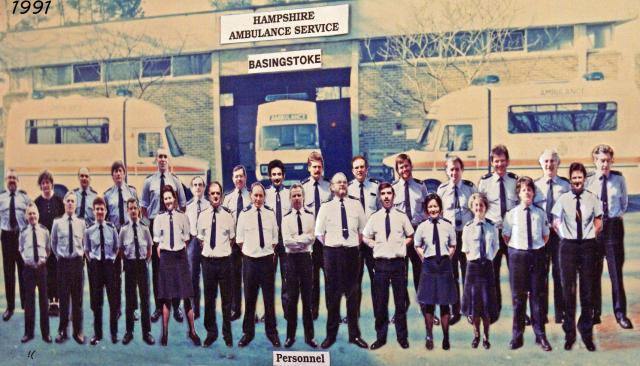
pixel 543 39
pixel 56 75
pixel 153 67
pixel 67 131
pixel 123 70
pixel 599 35
pixel 192 64
pixel 86 72
pixel 148 144
pixel 575 117
pixel 507 40
pixel 457 138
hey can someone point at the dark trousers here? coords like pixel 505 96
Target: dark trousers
pixel 155 268
pixel 366 259
pixel 136 276
pixel 236 279
pixel 318 263
pixel 553 262
pixel 103 278
pixel 611 247
pixel 194 256
pixel 52 283
pixel 10 260
pixel 299 283
pixel 416 268
pixel 341 266
pixel 577 258
pixel 527 270
pixel 70 287
pixel 258 273
pixel 117 272
pixel 216 272
pixel 458 261
pixel 35 277
pixel 281 256
pixel 390 271
pixel 497 263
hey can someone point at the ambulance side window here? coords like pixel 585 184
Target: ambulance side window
pixel 148 144
pixel 457 138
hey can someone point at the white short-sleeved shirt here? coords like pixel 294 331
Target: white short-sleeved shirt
pixel 515 226
pixel 400 229
pixel 565 211
pixel 294 242
pixel 162 230
pixel 471 239
pixel 248 235
pixel 424 237
pixel 329 222
pixel 225 232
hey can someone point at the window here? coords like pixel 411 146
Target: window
pixel 152 67
pixel 56 75
pixel 173 143
pixel 67 131
pixel 541 39
pixel 148 144
pixel 427 137
pixel 192 64
pixel 507 40
pixel 457 138
pixel 578 117
pixel 374 50
pixel 599 35
pixel 289 137
pixel 123 70
pixel 86 72
pixel 465 43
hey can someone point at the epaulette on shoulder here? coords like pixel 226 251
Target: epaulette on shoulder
pixel 24 228
pixel 43 227
pixel 267 207
pixel 374 180
pixel 149 176
pixel 616 172
pixel 445 219
pixel 564 179
pixel 353 197
pixel 470 222
pixel 489 221
pixel 228 193
pixel 175 176
pixel 307 211
pixel 399 210
pixel 191 200
pixel 487 176
pixel 77 189
pixel 327 200
pixel 246 208
pixel 442 185
pixel 131 187
pixel 288 213
pixel 395 182
pixel 225 208
pixel 305 180
pixel 352 181
pixel 22 191
pixel 417 180
pixel 468 183
pixel 538 206
pixel 310 204
pixel 512 175
pixel 323 179
pixel 110 224
pixel 104 194
pixel 591 174
pixel 93 191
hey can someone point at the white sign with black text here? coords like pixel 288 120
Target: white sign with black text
pixel 288 358
pixel 285 24
pixel 285 61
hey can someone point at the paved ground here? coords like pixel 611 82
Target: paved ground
pixel 615 346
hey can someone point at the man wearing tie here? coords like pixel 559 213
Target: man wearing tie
pixel 611 188
pixel 152 204
pixel 236 201
pixel 66 244
pixel 297 234
pixel 216 232
pixel 277 197
pixel 13 204
pixel 85 196
pixel 339 227
pixel 549 188
pixel 500 188
pixel 316 191
pixel 195 207
pixel 101 247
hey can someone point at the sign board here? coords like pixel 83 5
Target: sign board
pixel 285 61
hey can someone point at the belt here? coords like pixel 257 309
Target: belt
pixel 172 251
pixel 391 260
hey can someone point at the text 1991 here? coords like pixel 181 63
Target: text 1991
pixel 23 7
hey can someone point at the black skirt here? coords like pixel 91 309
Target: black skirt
pixel 174 278
pixel 479 296
pixel 437 286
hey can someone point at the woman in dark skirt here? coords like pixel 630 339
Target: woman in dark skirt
pixel 171 232
pixel 480 243
pixel 435 242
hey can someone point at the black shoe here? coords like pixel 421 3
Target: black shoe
pixel 558 319
pixel 275 340
pixel 244 341
pixel 591 347
pixel 235 315
pixel 228 342
pixel 429 343
pixel 568 345
pixel 54 310
pixel 128 337
pixel 436 320
pixel 196 315
pixel 194 338
pixel 156 315
pixel 148 339
pixel 314 315
pixel 61 337
pixel 177 315
pixel 311 342
pixel 377 344
pixel 392 320
pixel 359 342
pixel 623 321
pixel 94 340
pixel 26 338
pixel 445 343
pixel 527 320
pixel 328 342
pixel 164 339
pixel 79 338
pixel 47 338
pixel 486 344
pixel 469 319
pixel 344 320
pixel 114 338
pixel 209 340
pixel 7 315
pixel 475 342
pixel 596 319
pixel 515 344
pixel 136 316
pixel 404 343
pixel 289 342
pixel 454 319
pixel 262 319
pixel 544 344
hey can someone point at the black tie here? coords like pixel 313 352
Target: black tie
pixel 278 208
pixel 436 239
pixel 529 233
pixel 120 207
pixel 503 198
pixel 483 242
pixel 83 202
pixel 239 204
pixel 604 197
pixel 343 215
pixel 136 243
pixel 13 220
pixel 70 235
pixel 162 208
pixel 199 210
pixel 171 229
pixel 456 200
pixel 299 224
pixel 35 246
pixel 260 233
pixel 387 224
pixel 316 198
pixel 101 242
pixel 212 239
pixel 407 202
pixel 578 217
pixel 362 194
pixel 550 201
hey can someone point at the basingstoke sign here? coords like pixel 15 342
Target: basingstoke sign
pixel 285 61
